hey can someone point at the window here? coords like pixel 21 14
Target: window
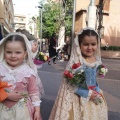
pixel 22 19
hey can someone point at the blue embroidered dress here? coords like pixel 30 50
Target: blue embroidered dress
pixel 90 76
pixel 69 106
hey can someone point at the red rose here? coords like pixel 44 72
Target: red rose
pixel 75 66
pixel 70 75
pixel 103 66
pixel 66 73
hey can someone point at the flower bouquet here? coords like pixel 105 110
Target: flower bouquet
pixel 102 70
pixel 40 58
pixel 3 92
pixel 75 75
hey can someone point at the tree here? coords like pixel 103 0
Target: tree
pixel 54 15
pixel 50 16
pixel 68 5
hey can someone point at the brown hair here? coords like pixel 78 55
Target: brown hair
pixel 87 32
pixel 16 38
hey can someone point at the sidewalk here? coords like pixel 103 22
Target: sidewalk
pixel 51 76
pixel 110 54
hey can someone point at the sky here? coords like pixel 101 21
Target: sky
pixel 26 7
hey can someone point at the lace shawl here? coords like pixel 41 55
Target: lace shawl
pixel 19 74
pixel 76 56
pixel 29 59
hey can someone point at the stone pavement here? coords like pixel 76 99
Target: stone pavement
pixel 51 76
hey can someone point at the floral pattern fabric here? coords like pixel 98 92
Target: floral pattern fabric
pixel 18 112
pixel 68 106
pixel 23 80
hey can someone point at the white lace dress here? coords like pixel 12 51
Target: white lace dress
pixel 23 80
pixel 69 106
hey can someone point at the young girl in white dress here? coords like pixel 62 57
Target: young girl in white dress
pixel 76 102
pixel 17 69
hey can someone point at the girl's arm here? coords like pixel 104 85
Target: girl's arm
pixel 85 93
pixel 82 92
pixel 34 95
pixel 37 115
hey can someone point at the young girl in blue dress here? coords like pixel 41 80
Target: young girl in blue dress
pixel 76 102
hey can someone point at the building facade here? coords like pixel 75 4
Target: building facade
pixel 27 22
pixel 20 21
pixel 31 25
pixel 110 20
pixel 6 17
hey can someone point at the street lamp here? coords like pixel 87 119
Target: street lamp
pixel 40 21
pixel 40 27
pixel 73 23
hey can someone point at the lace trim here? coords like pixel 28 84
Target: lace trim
pixel 37 103
pixel 77 57
pixel 35 97
pixel 16 75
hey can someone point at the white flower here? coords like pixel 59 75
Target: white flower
pixel 103 71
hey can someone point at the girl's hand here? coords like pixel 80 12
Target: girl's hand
pixel 14 96
pixel 37 115
pixel 93 95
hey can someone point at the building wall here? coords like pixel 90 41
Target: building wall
pixel 26 22
pixel 20 21
pixel 80 23
pixel 111 19
pixel 7 14
pixel 112 25
pixel 31 25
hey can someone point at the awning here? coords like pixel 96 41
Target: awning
pixel 3 31
pixel 1 35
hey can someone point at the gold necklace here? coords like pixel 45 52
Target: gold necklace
pixel 87 59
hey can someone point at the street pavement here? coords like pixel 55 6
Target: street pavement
pixel 51 76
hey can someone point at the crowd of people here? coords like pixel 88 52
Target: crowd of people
pixel 20 99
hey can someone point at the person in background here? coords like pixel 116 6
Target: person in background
pixel 19 30
pixel 18 70
pixel 44 45
pixel 68 46
pixel 34 47
pixel 52 48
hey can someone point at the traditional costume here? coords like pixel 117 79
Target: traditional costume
pixel 23 80
pixel 73 103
